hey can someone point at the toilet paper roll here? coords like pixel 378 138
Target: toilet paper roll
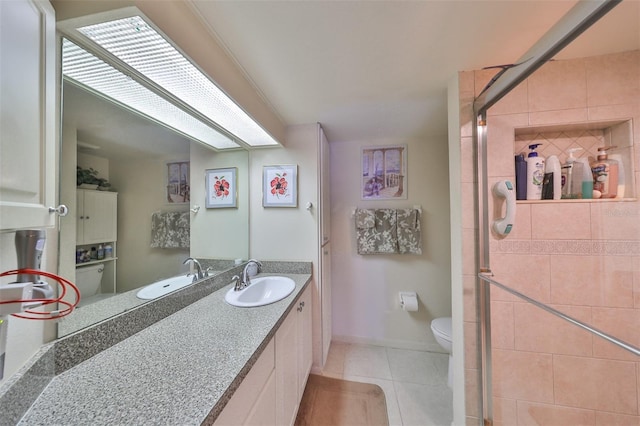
pixel 409 301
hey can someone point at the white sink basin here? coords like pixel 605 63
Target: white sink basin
pixel 166 286
pixel 262 291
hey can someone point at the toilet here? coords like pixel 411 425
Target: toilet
pixel 88 280
pixel 441 328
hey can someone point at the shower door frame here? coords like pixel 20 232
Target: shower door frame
pixel 574 23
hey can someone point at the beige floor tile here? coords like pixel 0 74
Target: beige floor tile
pixel 367 361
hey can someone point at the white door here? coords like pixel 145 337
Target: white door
pixel 27 114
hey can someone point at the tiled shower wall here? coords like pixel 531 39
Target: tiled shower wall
pixel 582 258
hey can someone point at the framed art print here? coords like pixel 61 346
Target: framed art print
pixel 384 173
pixel 178 188
pixel 280 186
pixel 221 188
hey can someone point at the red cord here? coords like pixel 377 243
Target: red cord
pixel 49 315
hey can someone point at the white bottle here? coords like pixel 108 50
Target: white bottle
pixel 571 176
pixel 552 165
pixel 535 173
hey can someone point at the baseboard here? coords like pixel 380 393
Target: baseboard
pixel 390 343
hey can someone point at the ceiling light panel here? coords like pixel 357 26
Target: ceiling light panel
pixel 141 47
pixel 92 72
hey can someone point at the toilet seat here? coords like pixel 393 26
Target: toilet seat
pixel 442 327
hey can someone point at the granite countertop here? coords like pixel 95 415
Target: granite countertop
pixel 180 370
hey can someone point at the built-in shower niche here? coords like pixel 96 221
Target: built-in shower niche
pixel 558 139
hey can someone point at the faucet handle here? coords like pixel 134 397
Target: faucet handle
pixel 236 283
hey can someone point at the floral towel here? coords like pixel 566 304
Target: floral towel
pixel 170 230
pixel 382 237
pixel 409 234
pixel 365 218
pixel 388 231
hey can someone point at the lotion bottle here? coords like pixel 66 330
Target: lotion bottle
pixel 535 173
pixel 621 174
pixel 605 174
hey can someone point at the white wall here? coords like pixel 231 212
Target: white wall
pixel 365 288
pixel 221 233
pixel 286 233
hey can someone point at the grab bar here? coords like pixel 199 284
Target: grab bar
pixel 624 345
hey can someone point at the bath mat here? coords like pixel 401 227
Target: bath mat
pixel 328 401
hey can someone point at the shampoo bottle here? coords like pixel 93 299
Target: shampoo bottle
pixel 535 173
pixel 605 174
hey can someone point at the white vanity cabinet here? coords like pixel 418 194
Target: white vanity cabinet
pixel 293 359
pixel 254 402
pixel 27 114
pixel 271 392
pixel 96 216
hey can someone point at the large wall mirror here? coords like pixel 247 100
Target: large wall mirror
pixel 159 178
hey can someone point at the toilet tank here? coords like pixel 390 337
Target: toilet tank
pixel 89 278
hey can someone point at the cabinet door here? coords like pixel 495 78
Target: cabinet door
pixel 27 114
pixel 263 412
pixel 287 370
pixel 305 340
pixel 80 217
pixel 100 217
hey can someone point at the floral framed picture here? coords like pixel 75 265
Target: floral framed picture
pixel 280 186
pixel 221 188
pixel 384 173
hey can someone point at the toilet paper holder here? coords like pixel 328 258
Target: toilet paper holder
pixel 408 301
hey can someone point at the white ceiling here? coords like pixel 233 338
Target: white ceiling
pixel 364 69
pixel 380 69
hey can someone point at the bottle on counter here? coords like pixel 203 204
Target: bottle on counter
pixel 572 176
pixel 552 183
pixel 586 189
pixel 535 173
pixel 108 251
pixel 521 177
pixel 93 254
pixel 605 174
pixel 100 254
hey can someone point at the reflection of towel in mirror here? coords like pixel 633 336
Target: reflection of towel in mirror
pixel 381 238
pixel 170 230
pixel 409 234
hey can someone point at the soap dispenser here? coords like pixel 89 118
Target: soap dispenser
pixel 571 176
pixel 535 173
pixel 605 174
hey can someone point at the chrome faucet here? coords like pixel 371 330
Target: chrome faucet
pixel 245 280
pixel 246 277
pixel 199 273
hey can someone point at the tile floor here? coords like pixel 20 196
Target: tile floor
pixel 414 382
